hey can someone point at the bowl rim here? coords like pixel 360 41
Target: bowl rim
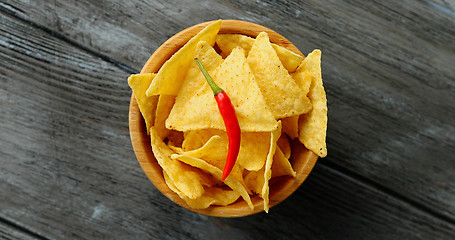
pixel 302 159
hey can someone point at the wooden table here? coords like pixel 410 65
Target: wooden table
pixel 68 170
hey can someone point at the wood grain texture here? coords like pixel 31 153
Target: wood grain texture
pixel 387 68
pixel 68 169
pixel 9 232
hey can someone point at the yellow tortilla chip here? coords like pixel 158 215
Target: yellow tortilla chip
pixel 139 84
pixel 170 76
pixel 214 196
pixel 254 180
pixel 165 103
pixel 211 196
pixel 204 178
pixel 193 84
pixel 268 167
pixel 281 93
pixel 227 42
pixel 196 139
pixel 303 79
pixel 281 165
pixel 291 126
pixel 254 146
pixel 186 178
pixel 313 126
pixel 176 149
pixel 284 145
pixel 289 59
pixel 236 78
pixel 229 181
pixel 214 152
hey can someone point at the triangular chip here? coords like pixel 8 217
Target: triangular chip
pixel 281 165
pixel 211 196
pixel 227 42
pixel 268 167
pixel 303 79
pixel 196 139
pixel 193 84
pixel 291 126
pixel 281 93
pixel 254 146
pixel 229 181
pixel 313 126
pixel 170 76
pixel 254 181
pixel 139 84
pixel 236 78
pixel 186 178
pixel 163 108
pixel 214 152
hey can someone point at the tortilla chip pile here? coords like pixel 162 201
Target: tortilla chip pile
pixel 277 94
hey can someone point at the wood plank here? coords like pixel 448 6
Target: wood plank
pixel 10 232
pixel 70 171
pixel 387 68
pixel 341 207
pixel 64 135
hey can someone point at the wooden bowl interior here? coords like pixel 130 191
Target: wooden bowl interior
pixel 302 159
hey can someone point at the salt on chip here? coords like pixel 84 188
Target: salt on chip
pixel 170 76
pixel 268 167
pixel 229 181
pixel 227 42
pixel 313 126
pixel 284 145
pixel 193 84
pixel 303 79
pixel 291 126
pixel 281 165
pixel 254 146
pixel 235 77
pixel 163 108
pixel 281 93
pixel 211 196
pixel 139 84
pixel 186 178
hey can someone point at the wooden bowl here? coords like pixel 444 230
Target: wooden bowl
pixel 302 159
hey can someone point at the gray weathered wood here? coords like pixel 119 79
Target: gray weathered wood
pixel 8 232
pixel 387 66
pixel 68 170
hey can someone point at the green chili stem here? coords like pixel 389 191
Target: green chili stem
pixel 215 88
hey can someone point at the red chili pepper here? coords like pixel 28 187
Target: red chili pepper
pixel 230 121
